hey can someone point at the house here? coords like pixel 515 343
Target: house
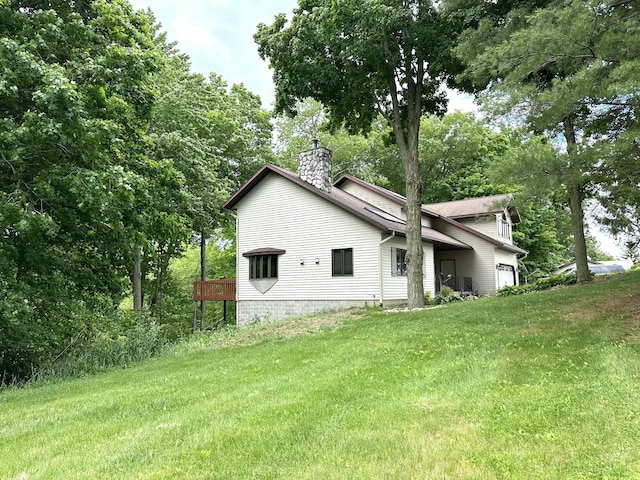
pixel 307 244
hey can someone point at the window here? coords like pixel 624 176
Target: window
pixel 342 262
pixel 504 227
pixel 263 262
pixel 263 266
pixel 398 261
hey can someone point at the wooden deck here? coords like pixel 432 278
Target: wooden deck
pixel 224 289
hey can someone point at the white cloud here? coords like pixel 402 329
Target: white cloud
pixel 189 34
pixel 197 39
pixel 459 101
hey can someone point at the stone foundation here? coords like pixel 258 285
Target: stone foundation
pixel 259 311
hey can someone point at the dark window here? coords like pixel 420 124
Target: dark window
pixel 398 261
pixel 263 266
pixel 342 262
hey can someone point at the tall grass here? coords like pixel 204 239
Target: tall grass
pixel 122 339
pixel 543 385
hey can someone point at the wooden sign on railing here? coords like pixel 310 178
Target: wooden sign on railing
pixel 224 289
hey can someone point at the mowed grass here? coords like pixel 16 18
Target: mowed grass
pixel 540 386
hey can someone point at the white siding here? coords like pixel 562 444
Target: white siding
pixel 373 198
pixel 479 263
pixel 490 226
pixel 395 286
pixel 378 201
pixel 277 213
pixel 429 269
pixel 487 225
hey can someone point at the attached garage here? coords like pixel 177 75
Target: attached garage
pixel 506 275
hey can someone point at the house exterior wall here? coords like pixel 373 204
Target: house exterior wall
pixel 379 201
pixel 490 226
pixel 374 199
pixel 487 225
pixel 479 263
pixel 280 214
pixel 395 286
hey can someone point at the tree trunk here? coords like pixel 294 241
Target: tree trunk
pixel 137 278
pixel 574 187
pixel 577 227
pixel 415 255
pixel 203 268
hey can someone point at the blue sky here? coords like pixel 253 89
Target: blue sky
pixel 218 36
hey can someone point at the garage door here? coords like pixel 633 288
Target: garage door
pixel 506 275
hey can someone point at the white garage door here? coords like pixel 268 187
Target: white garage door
pixel 506 275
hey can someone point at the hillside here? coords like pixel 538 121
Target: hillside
pixel 543 385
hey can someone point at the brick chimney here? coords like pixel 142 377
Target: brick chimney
pixel 314 167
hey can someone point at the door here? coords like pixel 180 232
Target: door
pixel 506 275
pixel 447 274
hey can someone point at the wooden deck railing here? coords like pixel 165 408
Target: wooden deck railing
pixel 224 289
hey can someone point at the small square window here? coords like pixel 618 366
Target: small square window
pixel 342 262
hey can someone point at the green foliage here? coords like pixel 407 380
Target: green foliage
pixel 447 295
pixel 87 338
pixel 121 339
pixel 428 299
pixel 455 151
pixel 108 146
pixel 370 158
pixel 75 100
pixel 537 286
pixel 364 42
pixel 564 69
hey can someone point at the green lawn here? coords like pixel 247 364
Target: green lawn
pixel 539 386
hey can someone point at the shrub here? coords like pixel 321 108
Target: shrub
pixel 510 290
pixel 538 285
pixel 117 340
pixel 428 299
pixel 447 295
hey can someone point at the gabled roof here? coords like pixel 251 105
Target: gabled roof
pixel 369 213
pixel 429 211
pixel 361 209
pixel 476 207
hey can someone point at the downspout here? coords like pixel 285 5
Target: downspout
pixel 393 234
pixel 525 255
pixel 235 217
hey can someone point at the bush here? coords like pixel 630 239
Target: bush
pixel 447 295
pixel 428 299
pixel 538 285
pixel 121 339
pixel 510 290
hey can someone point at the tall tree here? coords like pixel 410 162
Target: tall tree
pixel 362 59
pixel 564 69
pixel 75 101
pixel 213 135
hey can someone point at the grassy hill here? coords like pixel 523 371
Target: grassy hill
pixel 539 386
